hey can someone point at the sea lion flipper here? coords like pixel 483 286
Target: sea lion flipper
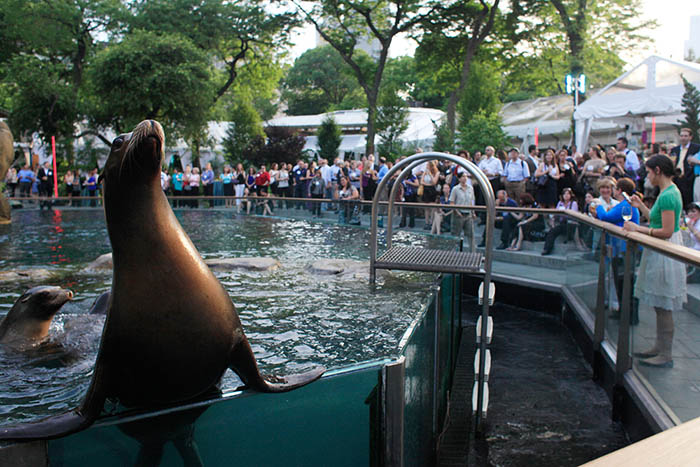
pixel 243 363
pixel 289 382
pixel 48 428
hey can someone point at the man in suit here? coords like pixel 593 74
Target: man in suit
pixel 685 159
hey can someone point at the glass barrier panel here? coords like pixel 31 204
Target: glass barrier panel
pixel 668 329
pixel 446 348
pixel 324 423
pixel 418 415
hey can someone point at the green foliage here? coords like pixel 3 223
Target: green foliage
pixel 149 75
pixel 42 100
pixel 245 127
pixel 283 145
pixel 87 156
pixel 691 109
pixel 444 142
pixel 329 139
pixel 237 35
pixel 319 80
pixel 559 37
pixel 392 121
pixel 344 24
pixel 481 92
pixel 482 130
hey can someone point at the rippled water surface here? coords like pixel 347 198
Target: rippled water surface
pixel 292 317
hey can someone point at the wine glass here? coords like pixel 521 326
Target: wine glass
pixel 627 213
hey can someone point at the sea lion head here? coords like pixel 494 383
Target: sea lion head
pixel 135 157
pixel 29 319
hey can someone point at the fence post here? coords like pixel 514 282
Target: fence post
pixel 599 328
pixel 624 362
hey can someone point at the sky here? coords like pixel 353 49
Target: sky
pixel 673 17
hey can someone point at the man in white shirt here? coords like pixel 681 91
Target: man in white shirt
pixel 492 167
pixel 631 159
pixel 462 195
pixel 516 173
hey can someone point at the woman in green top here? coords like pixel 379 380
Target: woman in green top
pixel 661 280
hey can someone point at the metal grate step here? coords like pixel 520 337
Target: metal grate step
pixel 422 259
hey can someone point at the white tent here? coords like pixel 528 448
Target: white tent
pixel 550 117
pixel 353 124
pixel 653 88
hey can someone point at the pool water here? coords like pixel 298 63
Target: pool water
pixel 292 317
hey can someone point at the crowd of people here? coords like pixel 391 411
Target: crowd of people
pixel 39 182
pixel 611 183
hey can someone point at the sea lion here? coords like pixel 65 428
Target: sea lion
pixel 100 305
pixel 171 329
pixel 28 321
pixel 6 158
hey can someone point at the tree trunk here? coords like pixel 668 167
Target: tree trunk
pixel 371 116
pixel 456 94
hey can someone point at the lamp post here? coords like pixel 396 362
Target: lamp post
pixel 575 85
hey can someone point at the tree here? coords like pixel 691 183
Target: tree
pixel 153 76
pixel 614 23
pixel 318 81
pixel 392 122
pixel 245 126
pixel 343 24
pixel 234 34
pixel 481 92
pixel 46 47
pixel 329 139
pixel 283 145
pixel 461 26
pixel 691 109
pixel 482 130
pixel 444 141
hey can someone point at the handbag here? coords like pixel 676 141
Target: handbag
pixel 420 190
pixel 542 180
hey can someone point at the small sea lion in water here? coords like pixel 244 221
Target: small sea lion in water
pixel 171 329
pixel 101 304
pixel 28 321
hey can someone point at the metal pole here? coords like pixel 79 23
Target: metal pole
pixel 599 327
pixel 394 376
pixel 623 340
pixel 436 359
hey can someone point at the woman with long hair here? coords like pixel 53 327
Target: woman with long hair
pixel 547 175
pixel 428 181
pixel 227 181
pixel 195 180
pixel 186 187
pixel 567 172
pixel 349 212
pixel 68 180
pixel 239 188
pixel 661 281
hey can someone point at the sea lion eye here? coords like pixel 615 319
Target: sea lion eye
pixel 117 142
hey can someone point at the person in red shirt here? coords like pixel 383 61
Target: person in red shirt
pixel 262 181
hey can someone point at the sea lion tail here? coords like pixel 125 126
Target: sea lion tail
pixel 48 428
pixel 244 364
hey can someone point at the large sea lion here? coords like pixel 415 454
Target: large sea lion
pixel 6 158
pixel 28 321
pixel 171 329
